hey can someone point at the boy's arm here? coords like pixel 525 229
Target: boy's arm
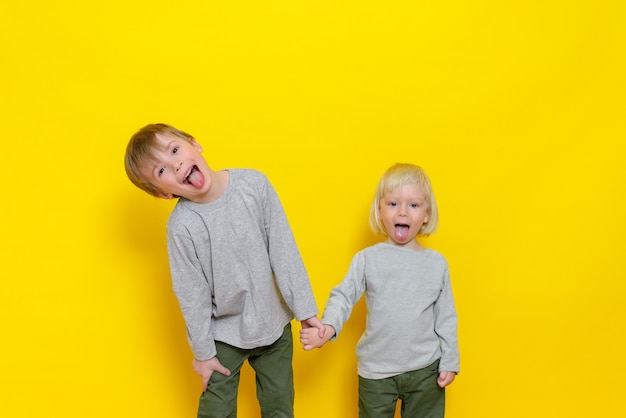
pixel 310 337
pixel 193 293
pixel 285 258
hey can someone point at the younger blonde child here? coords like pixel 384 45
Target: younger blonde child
pixel 409 349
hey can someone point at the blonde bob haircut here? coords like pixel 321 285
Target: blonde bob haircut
pixel 141 148
pixel 398 175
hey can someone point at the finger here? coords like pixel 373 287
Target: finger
pixel 223 370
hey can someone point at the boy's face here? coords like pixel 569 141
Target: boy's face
pixel 178 169
pixel 403 211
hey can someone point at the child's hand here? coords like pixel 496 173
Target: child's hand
pixel 313 322
pixel 445 378
pixel 205 369
pixel 310 337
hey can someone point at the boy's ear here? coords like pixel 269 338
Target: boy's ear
pixel 164 195
pixel 196 145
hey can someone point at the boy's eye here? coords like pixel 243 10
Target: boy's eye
pixel 414 205
pixel 161 170
pixel 393 204
pixel 174 150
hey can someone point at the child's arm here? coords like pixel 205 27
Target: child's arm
pixel 445 378
pixel 205 368
pixel 446 327
pixel 310 337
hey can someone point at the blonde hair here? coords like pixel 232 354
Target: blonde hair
pixel 141 148
pixel 398 175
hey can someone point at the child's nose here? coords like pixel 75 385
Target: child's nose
pixel 178 165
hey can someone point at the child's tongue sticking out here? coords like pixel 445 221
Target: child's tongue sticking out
pixel 402 232
pixel 196 178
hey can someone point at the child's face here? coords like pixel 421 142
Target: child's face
pixel 403 211
pixel 178 169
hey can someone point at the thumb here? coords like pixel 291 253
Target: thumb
pixel 223 370
pixel 321 330
pixel 219 367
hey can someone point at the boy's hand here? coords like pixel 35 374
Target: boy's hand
pixel 313 322
pixel 310 337
pixel 445 378
pixel 205 369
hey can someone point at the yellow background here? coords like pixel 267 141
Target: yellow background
pixel 515 109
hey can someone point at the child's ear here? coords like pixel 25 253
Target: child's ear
pixel 196 145
pixel 164 195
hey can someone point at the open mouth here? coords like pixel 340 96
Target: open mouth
pixel 186 178
pixel 401 231
pixel 193 176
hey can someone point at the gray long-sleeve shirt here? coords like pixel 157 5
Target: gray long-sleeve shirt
pixel 411 316
pixel 236 270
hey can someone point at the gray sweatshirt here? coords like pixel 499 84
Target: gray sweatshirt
pixel 236 270
pixel 411 317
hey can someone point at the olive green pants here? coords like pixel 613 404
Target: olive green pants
pixel 418 391
pixel 274 380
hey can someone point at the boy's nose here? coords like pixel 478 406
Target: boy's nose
pixel 178 166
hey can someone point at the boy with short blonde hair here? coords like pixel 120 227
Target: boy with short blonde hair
pixel 236 269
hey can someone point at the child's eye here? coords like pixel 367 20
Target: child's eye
pixel 161 170
pixel 415 205
pixel 174 150
pixel 393 204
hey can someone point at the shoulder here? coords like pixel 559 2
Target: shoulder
pixel 436 255
pixel 370 252
pixel 373 249
pixel 247 174
pixel 435 261
pixel 248 178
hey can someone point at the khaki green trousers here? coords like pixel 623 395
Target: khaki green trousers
pixel 418 391
pixel 274 380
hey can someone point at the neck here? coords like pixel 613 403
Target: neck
pixel 219 183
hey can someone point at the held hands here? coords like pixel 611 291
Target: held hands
pixel 205 369
pixel 310 338
pixel 313 322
